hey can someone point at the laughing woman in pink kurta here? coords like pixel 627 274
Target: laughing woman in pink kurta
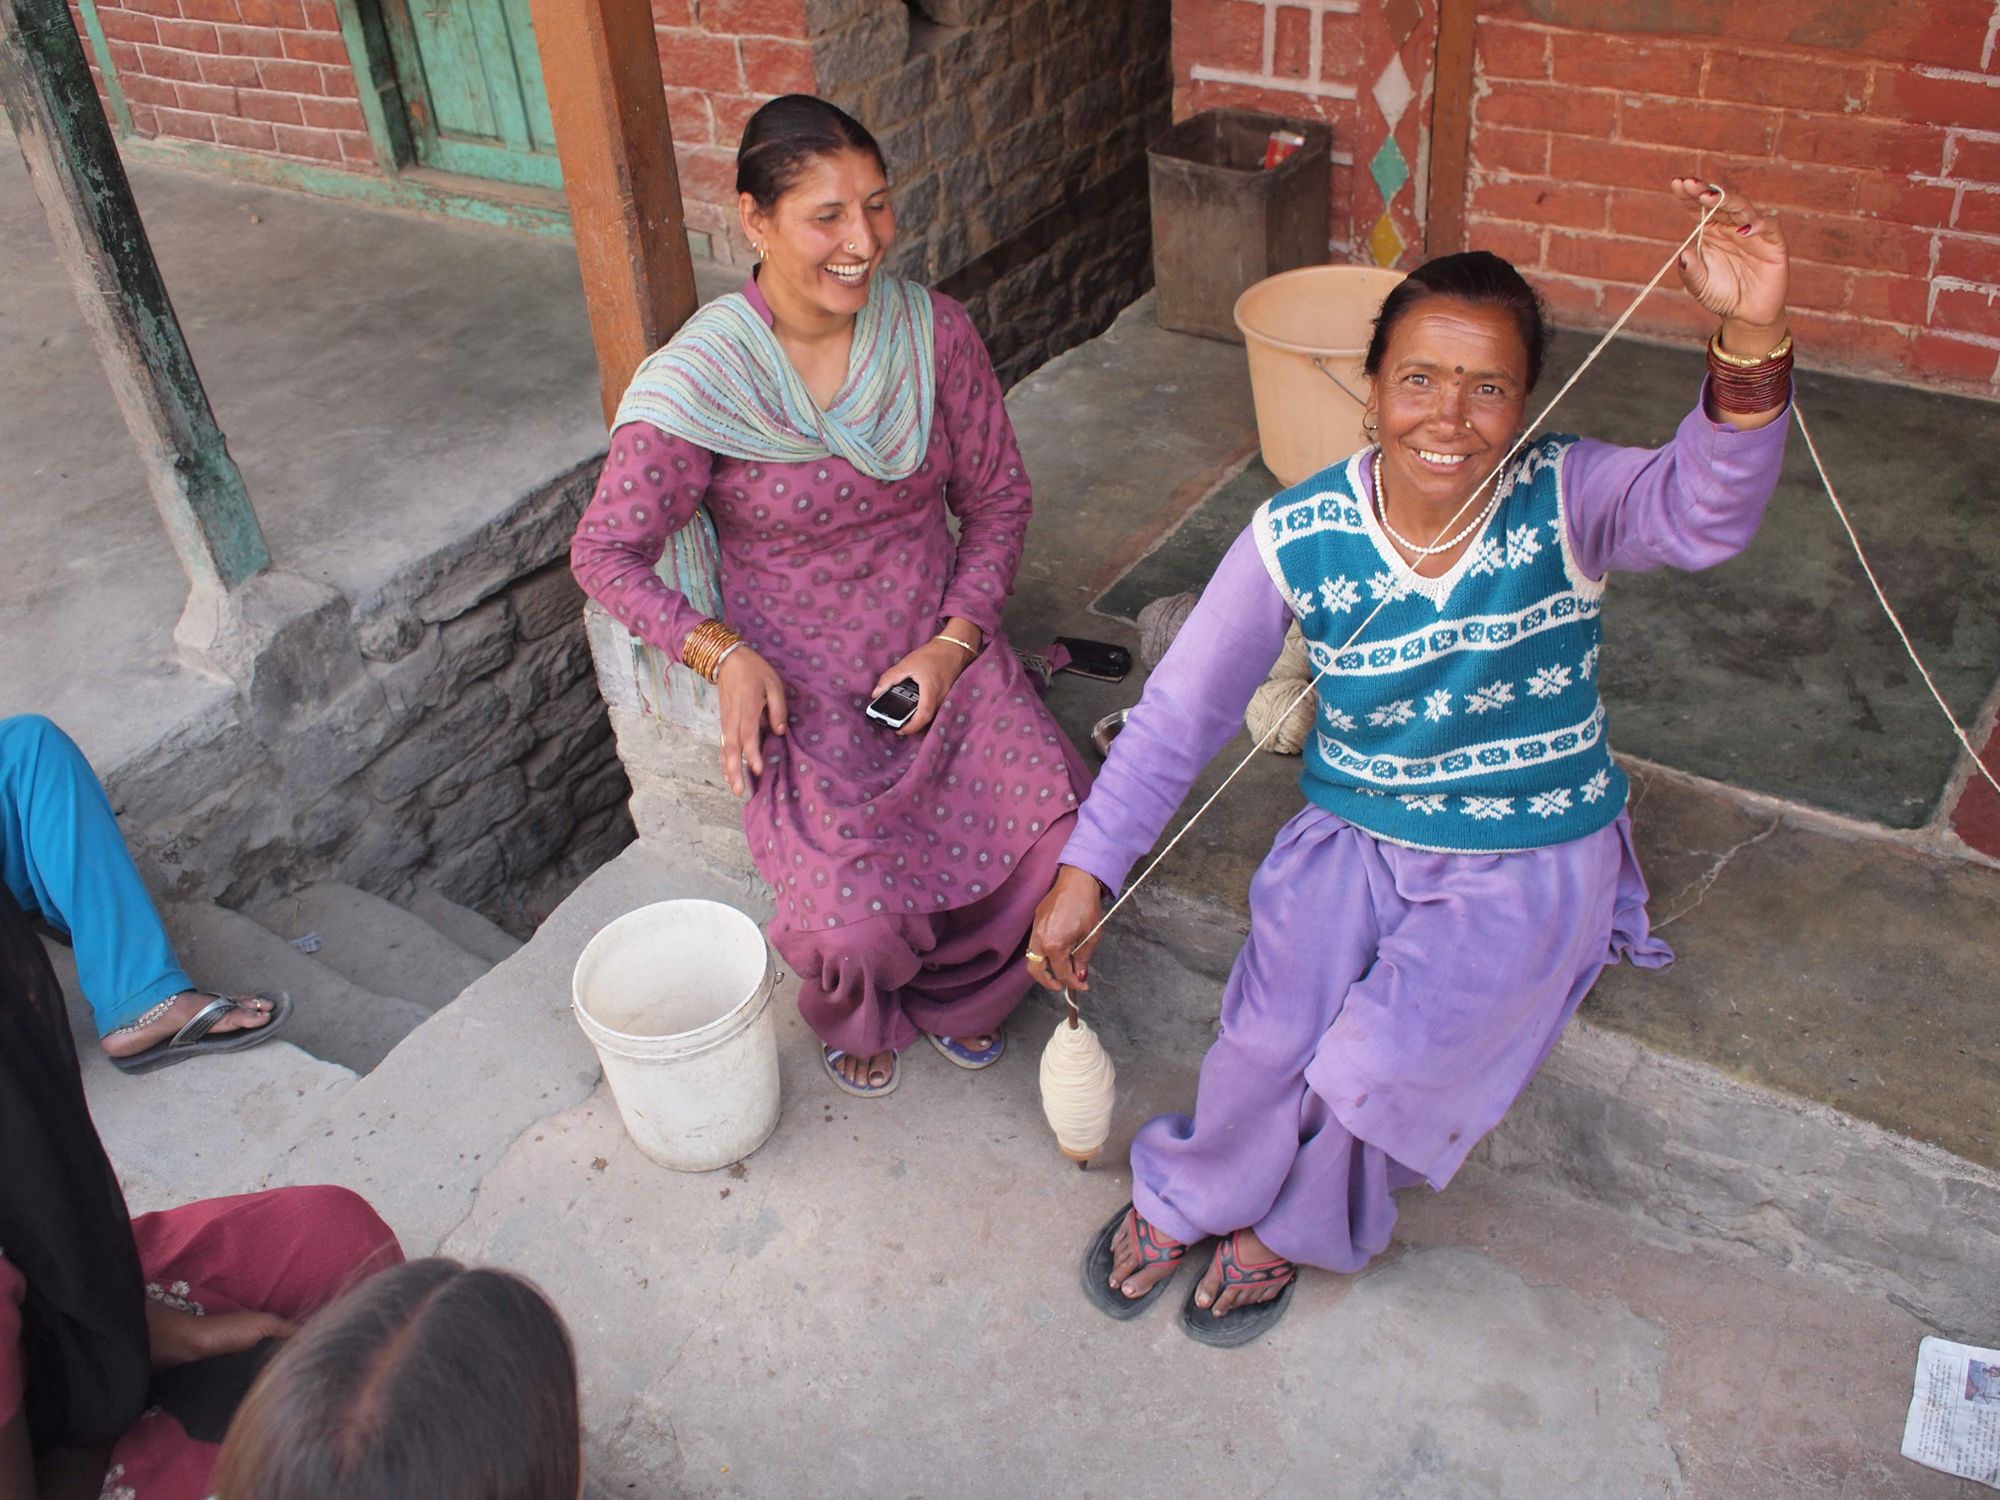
pixel 811 434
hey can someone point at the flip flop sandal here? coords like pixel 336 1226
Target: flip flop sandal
pixel 959 1055
pixel 1098 1258
pixel 1241 1324
pixel 831 1057
pixel 193 1039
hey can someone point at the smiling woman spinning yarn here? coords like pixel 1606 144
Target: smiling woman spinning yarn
pixel 1463 868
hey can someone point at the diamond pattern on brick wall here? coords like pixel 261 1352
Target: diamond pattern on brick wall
pixel 1393 91
pixel 1266 76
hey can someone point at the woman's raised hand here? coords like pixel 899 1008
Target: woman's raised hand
pixel 1738 268
pixel 1063 921
pixel 751 692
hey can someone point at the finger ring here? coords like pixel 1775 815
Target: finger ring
pixel 1037 958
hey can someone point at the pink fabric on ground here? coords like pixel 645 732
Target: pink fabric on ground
pixel 290 1252
pixel 871 986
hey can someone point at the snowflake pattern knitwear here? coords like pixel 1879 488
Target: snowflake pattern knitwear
pixel 1465 718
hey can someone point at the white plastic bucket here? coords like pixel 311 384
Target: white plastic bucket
pixel 1306 332
pixel 676 997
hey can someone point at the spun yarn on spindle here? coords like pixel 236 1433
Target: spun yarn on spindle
pixel 1159 623
pixel 1079 1089
pixel 1292 672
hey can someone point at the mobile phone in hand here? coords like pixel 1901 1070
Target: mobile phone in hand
pixel 897 705
pixel 1099 659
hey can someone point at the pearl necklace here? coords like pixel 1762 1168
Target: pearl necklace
pixel 1382 514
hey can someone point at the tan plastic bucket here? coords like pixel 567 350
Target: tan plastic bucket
pixel 1307 332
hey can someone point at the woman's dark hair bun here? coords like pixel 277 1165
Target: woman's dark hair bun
pixel 1476 276
pixel 786 136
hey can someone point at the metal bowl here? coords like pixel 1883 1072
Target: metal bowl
pixel 1105 730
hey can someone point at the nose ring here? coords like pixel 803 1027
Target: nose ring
pixel 850 248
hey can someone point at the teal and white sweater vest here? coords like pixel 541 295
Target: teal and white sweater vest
pixel 1465 718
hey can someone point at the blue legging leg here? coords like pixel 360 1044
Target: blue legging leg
pixel 63 856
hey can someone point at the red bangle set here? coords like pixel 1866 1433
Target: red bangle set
pixel 1749 385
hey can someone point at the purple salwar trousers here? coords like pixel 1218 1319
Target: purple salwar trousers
pixel 1387 1008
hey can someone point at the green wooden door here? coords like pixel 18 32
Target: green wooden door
pixel 472 82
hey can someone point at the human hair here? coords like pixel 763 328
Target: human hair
pixel 426 1382
pixel 788 134
pixel 1476 276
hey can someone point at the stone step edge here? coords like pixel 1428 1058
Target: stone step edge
pixel 352 941
pixel 476 934
pixel 1713 1159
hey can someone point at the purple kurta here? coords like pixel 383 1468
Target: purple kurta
pixel 1390 1003
pixel 902 866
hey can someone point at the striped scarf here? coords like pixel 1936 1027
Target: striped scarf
pixel 724 382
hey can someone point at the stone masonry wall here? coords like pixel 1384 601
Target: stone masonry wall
pixel 1016 135
pixel 449 733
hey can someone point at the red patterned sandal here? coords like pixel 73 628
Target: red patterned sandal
pixel 1247 1321
pixel 1154 1249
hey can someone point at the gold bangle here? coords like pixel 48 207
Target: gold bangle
pixel 965 646
pixel 1715 348
pixel 705 646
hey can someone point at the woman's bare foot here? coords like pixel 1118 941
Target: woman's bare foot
pixel 1130 1275
pixel 130 1041
pixel 1251 1254
pixel 867 1072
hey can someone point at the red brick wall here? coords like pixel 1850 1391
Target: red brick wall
pixel 1317 61
pixel 720 60
pixel 1873 128
pixel 1872 125
pixel 264 75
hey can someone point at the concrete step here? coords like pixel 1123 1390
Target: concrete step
pixel 336 1019
pixel 464 926
pixel 1516 1342
pixel 419 1132
pixel 375 943
pixel 204 1128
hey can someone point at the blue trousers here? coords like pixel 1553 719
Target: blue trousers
pixel 63 857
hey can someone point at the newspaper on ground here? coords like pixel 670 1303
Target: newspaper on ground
pixel 1954 1421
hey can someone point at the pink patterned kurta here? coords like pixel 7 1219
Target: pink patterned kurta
pixel 897 862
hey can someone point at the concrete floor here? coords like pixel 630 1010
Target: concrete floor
pixel 883 1299
pixel 389 384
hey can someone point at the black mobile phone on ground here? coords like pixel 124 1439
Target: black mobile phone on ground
pixel 1099 659
pixel 897 704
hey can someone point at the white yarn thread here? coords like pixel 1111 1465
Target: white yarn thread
pixel 1882 599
